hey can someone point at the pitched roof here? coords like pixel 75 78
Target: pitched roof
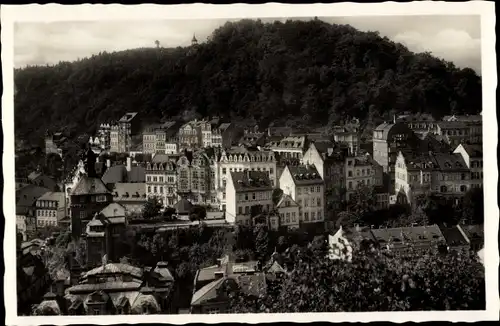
pixel 453 236
pixel 88 186
pixel 130 192
pixel 408 234
pixel 251 180
pixel 128 117
pixel 115 268
pixel 305 175
pixel 207 292
pixel 451 124
pixel 113 210
pixel 450 162
pixel 284 198
pixel 119 173
pixel 33 175
pixel 162 269
pixel 27 196
pixel 53 196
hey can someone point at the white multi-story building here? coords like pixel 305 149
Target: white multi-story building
pixel 248 193
pixel 292 147
pixel 50 209
pixel 306 187
pixel 239 159
pixel 161 179
pixel 473 157
pixel 440 174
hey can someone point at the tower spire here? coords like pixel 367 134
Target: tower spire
pixel 194 41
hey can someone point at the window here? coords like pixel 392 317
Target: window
pixel 246 196
pixel 294 217
pixel 319 201
pixel 271 171
pixel 148 178
pixel 299 191
pixel 240 210
pixel 83 215
pixel 288 217
pixel 306 216
pixel 312 189
pixel 349 173
pixel 161 190
pixel 149 188
pixel 155 189
pixel 313 216
pixel 306 202
pixel 318 189
pixel 253 195
pixel 247 209
pixel 350 185
pixel 224 170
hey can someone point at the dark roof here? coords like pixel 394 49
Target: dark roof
pixel 305 174
pixel 251 180
pixel 451 124
pixel 183 206
pixel 88 185
pixel 453 236
pixel 119 174
pixel 407 234
pixel 450 162
pixel 474 232
pixel 134 192
pixel 27 195
pixel 473 150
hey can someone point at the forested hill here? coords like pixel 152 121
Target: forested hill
pixel 311 71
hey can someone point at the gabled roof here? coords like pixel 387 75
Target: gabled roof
pixel 113 210
pixel 453 236
pixel 89 186
pixel 207 292
pixel 473 150
pixel 284 198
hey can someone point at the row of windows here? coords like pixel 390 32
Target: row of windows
pixel 160 179
pixel 477 175
pixel 46 223
pixel 308 190
pixel 287 217
pixel 46 213
pixel 458 132
pixel 224 170
pixel 246 209
pixel 476 164
pixel 359 173
pixel 160 189
pixel 44 203
pixel 254 196
pixel 98 198
pixel 315 216
pixel 314 202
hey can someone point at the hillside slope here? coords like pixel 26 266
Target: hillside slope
pixel 311 72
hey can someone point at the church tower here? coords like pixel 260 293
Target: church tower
pixel 194 41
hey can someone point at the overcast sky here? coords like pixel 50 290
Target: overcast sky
pixel 453 38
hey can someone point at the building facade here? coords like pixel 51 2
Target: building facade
pixel 248 194
pixel 50 209
pixel 306 187
pixel 238 159
pixel 361 171
pixel 473 158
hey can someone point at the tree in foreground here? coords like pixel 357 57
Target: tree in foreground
pixel 151 208
pixel 375 281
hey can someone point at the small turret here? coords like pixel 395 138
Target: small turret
pixel 194 41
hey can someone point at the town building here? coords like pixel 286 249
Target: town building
pixel 50 209
pixel 473 157
pixel 26 198
pixel 104 233
pixel 290 147
pixel 253 138
pixel 149 141
pixel 475 124
pixel 238 159
pixel 208 294
pixel 388 140
pixel 248 193
pixel 161 179
pixel 224 135
pixel 124 173
pixel 190 135
pixel 329 160
pixel 193 177
pixel 361 171
pixel 418 122
pixel 121 133
pixel 54 143
pixel 453 132
pixel 161 138
pixel 475 236
pixel 409 240
pixel 287 212
pixel 119 289
pixel 306 187
pixel 130 195
pixel 434 173
pixel 349 135
pixel 39 179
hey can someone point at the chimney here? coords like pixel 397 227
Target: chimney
pixel 129 164
pixel 358 229
pixel 108 163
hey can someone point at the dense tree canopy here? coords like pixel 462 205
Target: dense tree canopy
pixel 267 71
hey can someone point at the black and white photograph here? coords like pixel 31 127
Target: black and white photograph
pixel 308 159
